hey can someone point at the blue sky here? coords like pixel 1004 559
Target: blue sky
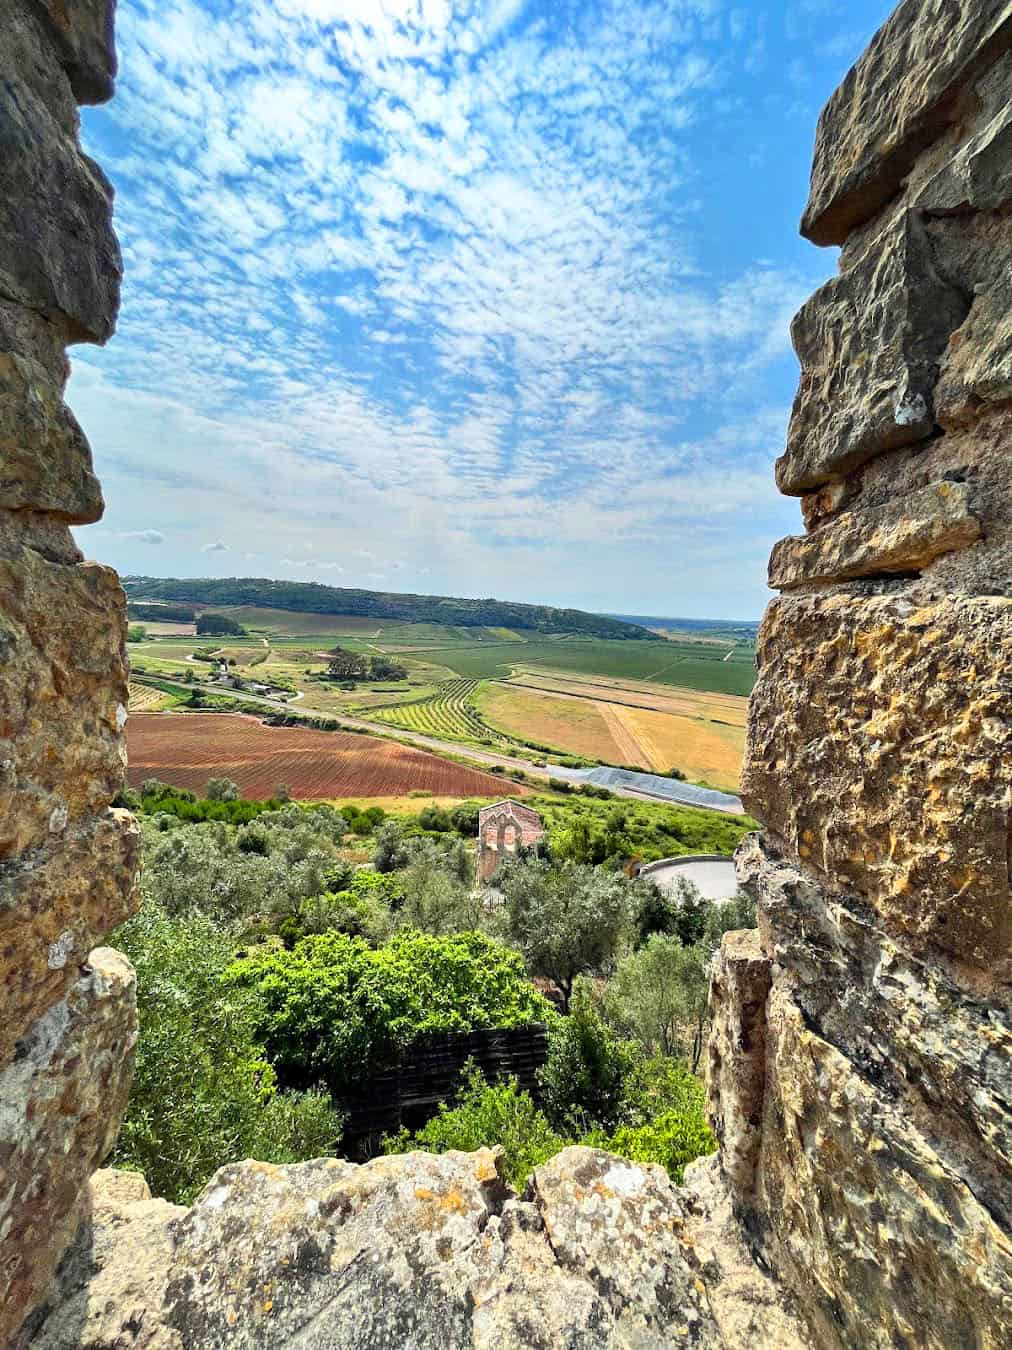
pixel 478 297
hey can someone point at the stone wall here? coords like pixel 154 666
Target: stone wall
pixel 864 1112
pixel 67 860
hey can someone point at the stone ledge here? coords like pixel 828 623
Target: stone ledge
pixel 904 535
pixel 899 97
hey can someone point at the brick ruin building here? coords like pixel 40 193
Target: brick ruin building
pixel 859 1071
pixel 503 829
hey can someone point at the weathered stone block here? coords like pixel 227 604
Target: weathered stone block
pixel 63 696
pixel 61 1101
pixel 84 34
pixel 55 904
pixel 882 1241
pixel 429 1251
pixel 736 1054
pixel 904 535
pixel 940 1057
pixel 869 342
pixel 880 752
pixel 45 460
pixel 900 96
pixel 58 253
pixel 976 369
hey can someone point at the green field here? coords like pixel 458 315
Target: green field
pixel 436 654
pixel 447 713
pixel 688 665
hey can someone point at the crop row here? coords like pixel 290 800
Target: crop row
pixel 448 713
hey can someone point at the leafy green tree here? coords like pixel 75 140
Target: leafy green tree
pixel 218 625
pixel 222 790
pixel 333 1009
pixel 585 1080
pixel 567 919
pixel 464 820
pixel 136 632
pixel 436 900
pixel 391 851
pixel 659 995
pixel 203 1093
pixel 345 665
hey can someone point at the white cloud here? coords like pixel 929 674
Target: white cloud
pixel 407 270
pixel 219 547
pixel 144 536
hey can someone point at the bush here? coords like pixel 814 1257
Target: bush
pixel 487 1114
pixel 666 1106
pixel 333 1009
pixel 203 1092
pixel 585 1080
pixel 218 625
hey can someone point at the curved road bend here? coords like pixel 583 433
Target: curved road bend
pixel 413 737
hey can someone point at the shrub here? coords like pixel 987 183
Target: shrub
pixel 487 1114
pixel 586 1077
pixel 333 1009
pixel 203 1093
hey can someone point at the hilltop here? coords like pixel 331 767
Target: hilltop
pixel 310 597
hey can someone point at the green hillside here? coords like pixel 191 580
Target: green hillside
pixel 313 598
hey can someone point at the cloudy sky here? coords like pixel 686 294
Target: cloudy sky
pixel 477 297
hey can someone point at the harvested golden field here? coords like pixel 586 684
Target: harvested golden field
pixel 728 708
pixel 186 749
pixel 573 725
pixel 703 734
pixel 704 751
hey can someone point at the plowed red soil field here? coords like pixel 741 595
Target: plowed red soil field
pixel 186 749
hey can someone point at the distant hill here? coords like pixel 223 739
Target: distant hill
pixel 309 597
pixel 744 630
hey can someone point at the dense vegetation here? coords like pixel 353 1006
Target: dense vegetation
pixel 160 613
pixel 314 598
pixel 346 665
pixel 276 973
pixel 218 625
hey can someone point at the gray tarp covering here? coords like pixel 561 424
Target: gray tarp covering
pixel 668 789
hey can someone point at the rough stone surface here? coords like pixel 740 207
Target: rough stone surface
pixel 67 863
pixel 55 904
pixel 63 697
pixel 736 1054
pixel 880 753
pixel 869 342
pixel 900 536
pixel 84 33
pixel 60 1104
pixel 879 761
pixel 883 1240
pixel 45 460
pixel 408 1250
pixel 750 1307
pixel 899 97
pixel 941 1057
pixel 58 253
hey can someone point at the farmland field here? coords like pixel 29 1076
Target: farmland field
pixel 448 712
pixel 576 726
pixel 186 749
